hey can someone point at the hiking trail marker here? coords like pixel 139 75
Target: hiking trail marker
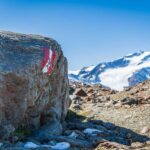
pixel 49 61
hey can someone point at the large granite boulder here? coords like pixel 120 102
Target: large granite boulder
pixel 30 98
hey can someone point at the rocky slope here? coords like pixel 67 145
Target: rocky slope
pixel 31 100
pixel 111 119
pixel 124 72
pixel 99 119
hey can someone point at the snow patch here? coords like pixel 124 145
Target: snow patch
pixel 137 59
pixel 75 72
pixel 73 135
pixel 148 76
pixel 1 144
pixel 90 68
pixel 58 146
pixel 31 145
pixel 118 78
pixel 61 146
pixel 92 131
pixel 103 65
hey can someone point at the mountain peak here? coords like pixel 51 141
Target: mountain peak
pixel 118 74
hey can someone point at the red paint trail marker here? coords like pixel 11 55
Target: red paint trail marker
pixel 49 60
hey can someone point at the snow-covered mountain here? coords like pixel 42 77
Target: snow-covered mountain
pixel 117 74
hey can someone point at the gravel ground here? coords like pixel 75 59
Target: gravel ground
pixel 128 110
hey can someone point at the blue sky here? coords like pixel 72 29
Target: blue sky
pixel 89 31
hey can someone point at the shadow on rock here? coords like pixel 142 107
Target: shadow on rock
pixel 97 131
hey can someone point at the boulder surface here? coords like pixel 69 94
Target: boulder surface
pixel 29 98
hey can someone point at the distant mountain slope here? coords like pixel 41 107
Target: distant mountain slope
pixel 117 74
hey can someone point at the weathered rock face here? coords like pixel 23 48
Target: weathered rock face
pixel 28 97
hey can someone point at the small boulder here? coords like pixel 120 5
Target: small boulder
pixel 81 93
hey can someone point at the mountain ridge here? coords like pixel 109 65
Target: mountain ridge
pixel 117 74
